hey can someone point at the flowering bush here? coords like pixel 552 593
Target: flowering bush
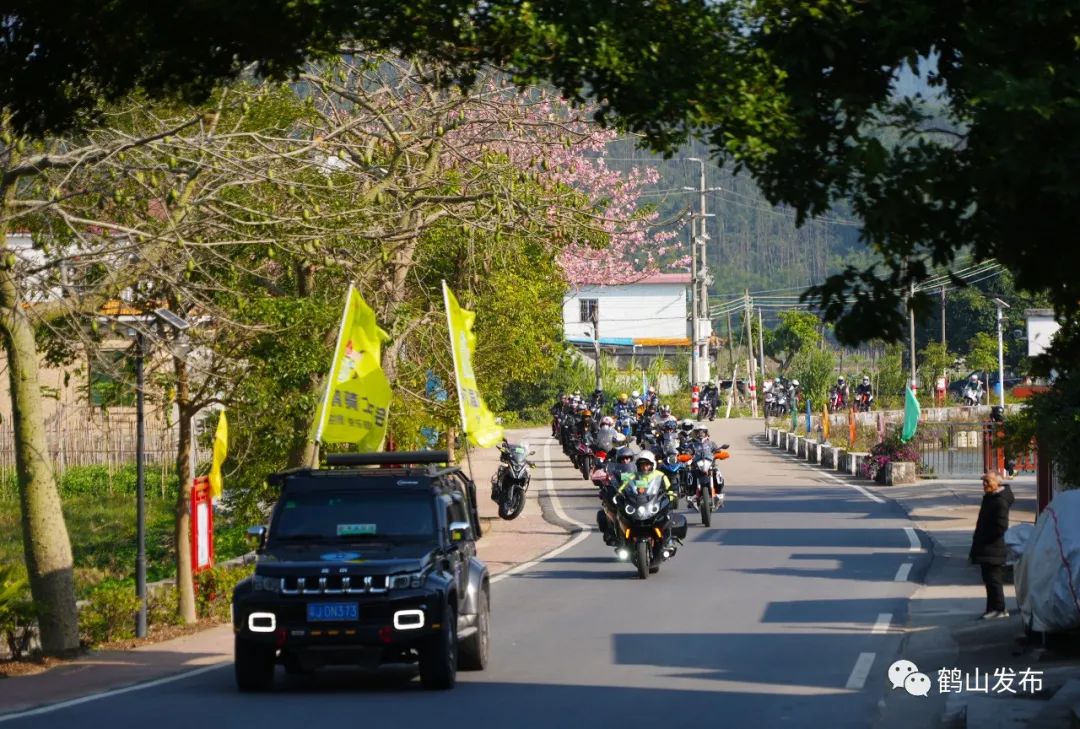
pixel 888 450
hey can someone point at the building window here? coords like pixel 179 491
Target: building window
pixel 589 309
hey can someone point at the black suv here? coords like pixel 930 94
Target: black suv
pixel 366 566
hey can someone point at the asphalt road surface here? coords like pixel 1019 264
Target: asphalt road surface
pixel 783 613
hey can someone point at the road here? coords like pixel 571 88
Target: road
pixel 784 613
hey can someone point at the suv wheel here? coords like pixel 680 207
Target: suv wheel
pixel 254 666
pixel 474 649
pixel 438 658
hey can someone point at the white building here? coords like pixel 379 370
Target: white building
pixel 651 312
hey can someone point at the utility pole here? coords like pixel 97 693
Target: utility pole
pixel 730 341
pixel 703 266
pixel 761 342
pixel 943 318
pixel 693 302
pixel 596 341
pixel 911 330
pixel 750 349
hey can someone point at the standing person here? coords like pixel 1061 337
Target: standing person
pixel 988 542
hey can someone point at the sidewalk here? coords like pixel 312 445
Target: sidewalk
pixel 503 545
pixel 943 631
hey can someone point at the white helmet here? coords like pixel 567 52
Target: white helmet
pixel 794 383
pixel 607 420
pixel 646 456
pixel 866 379
pixel 635 394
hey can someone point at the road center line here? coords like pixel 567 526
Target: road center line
pixel 916 546
pixel 861 671
pixel 903 573
pixel 882 624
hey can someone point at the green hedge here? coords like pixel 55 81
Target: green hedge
pixel 98 481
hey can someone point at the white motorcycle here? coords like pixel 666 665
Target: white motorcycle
pixel 708 482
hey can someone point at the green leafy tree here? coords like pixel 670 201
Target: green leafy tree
pixel 983 353
pixel 814 368
pixel 798 331
pixel 934 361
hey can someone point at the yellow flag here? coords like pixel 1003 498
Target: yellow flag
pixel 825 421
pixel 357 401
pixel 476 420
pixel 221 447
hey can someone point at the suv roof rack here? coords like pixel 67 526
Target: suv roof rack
pixel 387 458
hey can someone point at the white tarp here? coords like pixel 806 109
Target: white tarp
pixel 1047 578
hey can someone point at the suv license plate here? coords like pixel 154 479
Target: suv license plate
pixel 332 611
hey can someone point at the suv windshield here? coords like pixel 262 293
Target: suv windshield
pixel 361 515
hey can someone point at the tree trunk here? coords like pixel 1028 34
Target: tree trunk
pixel 46 544
pixel 305 452
pixel 185 586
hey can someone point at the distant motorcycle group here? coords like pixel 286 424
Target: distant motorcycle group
pixel 782 396
pixel 643 463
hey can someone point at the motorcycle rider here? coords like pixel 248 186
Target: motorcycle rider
pixel 704 445
pixel 864 389
pixel 643 477
pixel 662 416
pixel 710 400
pixel 841 392
pixel 652 400
pixel 596 404
pixel 974 389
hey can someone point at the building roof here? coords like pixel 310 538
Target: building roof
pixel 656 278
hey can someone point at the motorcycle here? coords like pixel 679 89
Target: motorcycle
pixel 645 514
pixel 511 481
pixel 707 483
pixel 673 463
pixel 582 459
pixel 972 396
pixel 837 401
pixel 862 402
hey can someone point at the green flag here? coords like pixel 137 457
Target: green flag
pixel 911 415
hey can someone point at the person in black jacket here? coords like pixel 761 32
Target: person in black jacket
pixel 988 542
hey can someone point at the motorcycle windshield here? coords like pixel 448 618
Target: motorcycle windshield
pixel 605 439
pixel 671 444
pixel 518 454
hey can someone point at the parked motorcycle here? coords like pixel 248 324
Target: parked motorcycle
pixel 511 481
pixel 645 516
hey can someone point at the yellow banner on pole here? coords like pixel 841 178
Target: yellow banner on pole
pixel 357 401
pixel 476 420
pixel 221 448
pixel 825 422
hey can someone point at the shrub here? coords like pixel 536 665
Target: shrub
pixel 18 613
pixel 163 605
pixel 110 613
pixel 214 587
pixel 888 450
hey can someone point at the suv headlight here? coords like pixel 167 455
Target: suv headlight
pixel 401 582
pixel 262 583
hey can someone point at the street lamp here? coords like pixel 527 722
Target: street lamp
pixel 1001 356
pixel 178 324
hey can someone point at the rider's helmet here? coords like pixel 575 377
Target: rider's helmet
pixel 701 432
pixel 635 394
pixel 840 381
pixel 866 379
pixel 670 426
pixel 607 420
pixel 646 457
pixel 652 390
pixel 974 379
pixel 794 383
pixel 624 454
pixel 618 438
pixel 586 413
pixel 623 397
pixel 665 410
pixel 686 425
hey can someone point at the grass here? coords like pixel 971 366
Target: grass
pixel 102 532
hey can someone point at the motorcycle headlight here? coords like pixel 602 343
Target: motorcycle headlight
pixel 704 465
pixel 401 582
pixel 672 460
pixel 261 583
pixel 629 509
pixel 654 507
pixel 642 511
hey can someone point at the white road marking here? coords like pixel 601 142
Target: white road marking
pixel 108 694
pixel 580 537
pixel 916 546
pixel 903 572
pixel 882 624
pixel 861 671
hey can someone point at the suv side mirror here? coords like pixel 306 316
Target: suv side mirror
pixel 460 531
pixel 258 534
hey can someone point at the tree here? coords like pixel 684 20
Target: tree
pixel 935 361
pixel 982 352
pixel 798 331
pixel 814 368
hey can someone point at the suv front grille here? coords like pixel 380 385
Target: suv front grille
pixel 334 585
